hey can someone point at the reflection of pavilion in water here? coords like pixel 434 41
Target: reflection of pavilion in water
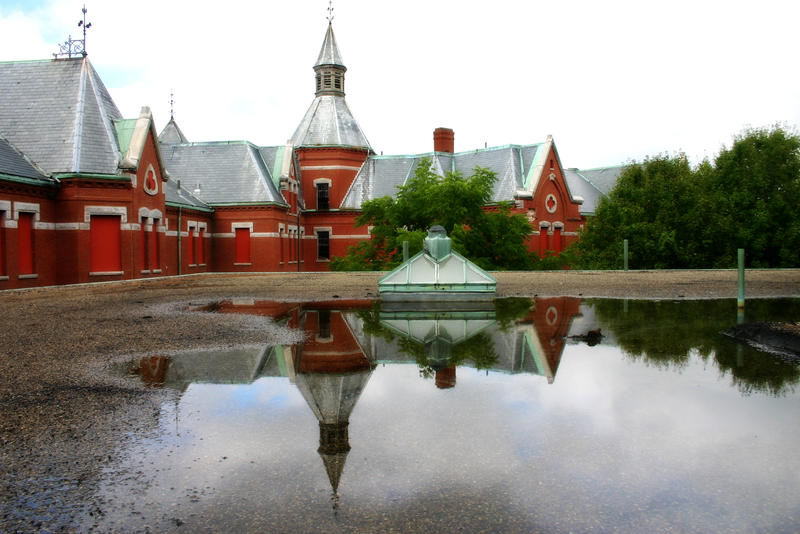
pixel 344 343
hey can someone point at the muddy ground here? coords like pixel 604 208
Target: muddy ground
pixel 64 417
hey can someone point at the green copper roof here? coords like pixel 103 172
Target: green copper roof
pixel 124 129
pixel 437 273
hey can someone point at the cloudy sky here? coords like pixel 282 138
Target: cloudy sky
pixel 611 81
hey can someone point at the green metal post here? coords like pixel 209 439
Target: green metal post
pixel 405 251
pixel 740 299
pixel 625 254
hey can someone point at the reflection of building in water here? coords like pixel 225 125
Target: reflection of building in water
pixel 330 368
pixel 338 342
pixel 332 371
pixel 532 342
pixel 334 363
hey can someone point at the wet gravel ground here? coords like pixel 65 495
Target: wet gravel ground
pixel 63 413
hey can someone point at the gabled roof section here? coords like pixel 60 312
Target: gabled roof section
pixel 60 114
pixel 381 175
pixel 14 164
pixel 172 134
pixel 329 121
pixel 221 173
pixel 329 53
pixel 132 137
pixel 592 184
pixel 279 160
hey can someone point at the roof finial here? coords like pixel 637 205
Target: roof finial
pixel 330 12
pixel 171 104
pixel 74 46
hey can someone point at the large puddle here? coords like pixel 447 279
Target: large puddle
pixel 545 415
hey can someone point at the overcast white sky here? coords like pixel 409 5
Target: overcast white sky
pixel 611 81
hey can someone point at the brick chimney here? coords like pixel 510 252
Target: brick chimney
pixel 444 140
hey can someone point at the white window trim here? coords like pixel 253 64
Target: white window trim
pixel 152 214
pixel 147 190
pixel 26 207
pixel 555 203
pixel 122 211
pixel 5 219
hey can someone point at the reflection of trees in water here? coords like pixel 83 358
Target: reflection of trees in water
pixel 666 333
pixel 479 350
pixel 509 310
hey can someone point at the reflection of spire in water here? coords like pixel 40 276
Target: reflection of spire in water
pixel 332 373
pixel 334 444
pixel 332 399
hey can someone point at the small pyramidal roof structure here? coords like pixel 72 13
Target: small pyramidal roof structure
pixel 172 134
pixel 437 273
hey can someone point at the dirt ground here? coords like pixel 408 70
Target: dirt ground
pixel 63 417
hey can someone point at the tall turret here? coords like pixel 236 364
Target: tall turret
pixel 329 67
pixel 328 120
pixel 329 149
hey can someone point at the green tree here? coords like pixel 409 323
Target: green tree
pixel 655 205
pixel 755 189
pixel 493 238
pixel 678 217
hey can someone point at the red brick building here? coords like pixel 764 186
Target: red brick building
pixel 87 195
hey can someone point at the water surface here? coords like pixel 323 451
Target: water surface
pixel 516 417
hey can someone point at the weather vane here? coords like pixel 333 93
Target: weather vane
pixel 330 11
pixel 171 105
pixel 75 47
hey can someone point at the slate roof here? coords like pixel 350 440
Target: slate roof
pixel 329 121
pixel 592 184
pixel 14 164
pixel 381 175
pixel 329 53
pixel 220 173
pixel 60 115
pixel 181 197
pixel 172 134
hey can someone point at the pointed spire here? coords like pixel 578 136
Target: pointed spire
pixel 329 67
pixel 329 53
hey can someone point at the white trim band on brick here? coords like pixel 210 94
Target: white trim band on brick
pixel 330 168
pixel 336 236
pixel 72 226
pixel 224 235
